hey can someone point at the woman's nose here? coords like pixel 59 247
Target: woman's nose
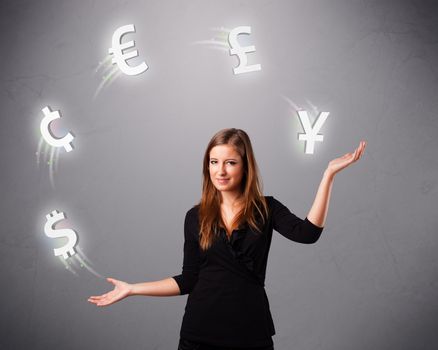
pixel 222 169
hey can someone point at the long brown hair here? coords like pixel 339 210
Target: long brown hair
pixel 251 188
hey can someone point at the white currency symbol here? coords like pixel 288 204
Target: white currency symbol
pixel 49 116
pixel 68 248
pixel 120 57
pixel 236 49
pixel 310 134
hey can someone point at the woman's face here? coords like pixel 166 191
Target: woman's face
pixel 226 163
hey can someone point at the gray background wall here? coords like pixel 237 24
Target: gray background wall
pixel 370 282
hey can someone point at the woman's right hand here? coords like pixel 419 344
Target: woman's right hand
pixel 120 291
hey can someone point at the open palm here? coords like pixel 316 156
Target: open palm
pixel 121 290
pixel 340 163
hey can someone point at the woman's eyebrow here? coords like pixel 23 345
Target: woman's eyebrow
pixel 225 159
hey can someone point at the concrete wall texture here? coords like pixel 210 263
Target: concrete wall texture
pixel 371 280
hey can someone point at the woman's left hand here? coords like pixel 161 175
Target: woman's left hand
pixel 340 163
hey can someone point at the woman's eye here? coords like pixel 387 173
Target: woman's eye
pixel 230 162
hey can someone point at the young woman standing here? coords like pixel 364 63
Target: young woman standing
pixel 227 237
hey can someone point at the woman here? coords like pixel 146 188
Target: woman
pixel 227 240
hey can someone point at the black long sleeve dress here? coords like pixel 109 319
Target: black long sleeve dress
pixel 227 303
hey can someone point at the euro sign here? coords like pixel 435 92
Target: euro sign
pixel 49 116
pixel 236 49
pixel 68 248
pixel 310 135
pixel 120 57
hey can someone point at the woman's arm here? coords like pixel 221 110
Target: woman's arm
pixel 318 212
pixel 163 288
pixel 179 284
pixel 122 290
pixel 183 283
pixel 176 285
pixel 319 209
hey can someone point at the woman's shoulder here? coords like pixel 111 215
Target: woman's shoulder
pixel 269 200
pixel 273 202
pixel 193 211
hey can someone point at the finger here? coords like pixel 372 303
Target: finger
pixel 353 157
pixel 111 280
pixel 362 150
pixel 357 153
pixel 104 303
pixel 99 297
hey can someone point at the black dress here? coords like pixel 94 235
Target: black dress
pixel 227 305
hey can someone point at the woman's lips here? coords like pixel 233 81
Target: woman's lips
pixel 222 181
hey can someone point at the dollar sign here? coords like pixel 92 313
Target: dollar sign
pixel 68 248
pixel 120 57
pixel 236 49
pixel 49 116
